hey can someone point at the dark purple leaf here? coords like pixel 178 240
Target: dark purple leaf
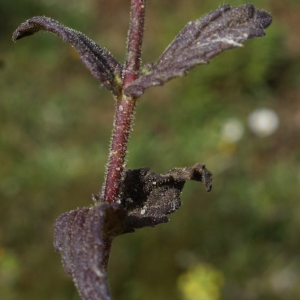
pixel 149 197
pixel 225 28
pixel 99 61
pixel 83 237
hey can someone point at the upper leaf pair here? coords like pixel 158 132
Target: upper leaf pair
pixel 224 28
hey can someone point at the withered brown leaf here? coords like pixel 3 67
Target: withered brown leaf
pixel 149 197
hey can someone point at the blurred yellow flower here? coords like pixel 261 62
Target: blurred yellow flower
pixel 201 282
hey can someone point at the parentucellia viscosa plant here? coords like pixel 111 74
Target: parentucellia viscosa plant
pixel 132 199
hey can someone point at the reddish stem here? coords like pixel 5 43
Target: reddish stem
pixel 125 105
pixel 134 41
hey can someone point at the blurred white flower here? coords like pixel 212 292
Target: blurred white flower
pixel 232 130
pixel 263 122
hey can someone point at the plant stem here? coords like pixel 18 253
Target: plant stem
pixel 125 105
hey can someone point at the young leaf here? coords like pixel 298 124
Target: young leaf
pixel 224 28
pixel 99 61
pixel 148 197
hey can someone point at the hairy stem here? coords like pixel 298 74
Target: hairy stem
pixel 125 105
pixel 134 41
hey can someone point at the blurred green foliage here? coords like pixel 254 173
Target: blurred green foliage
pixel 55 127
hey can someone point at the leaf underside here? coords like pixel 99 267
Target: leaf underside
pixel 81 235
pixel 99 61
pixel 224 28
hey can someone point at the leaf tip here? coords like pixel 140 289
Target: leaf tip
pixel 16 35
pixel 265 18
pixel 25 29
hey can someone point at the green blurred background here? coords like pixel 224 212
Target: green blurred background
pixel 239 242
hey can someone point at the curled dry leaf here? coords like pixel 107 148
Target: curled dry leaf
pixel 99 61
pixel 224 28
pixel 83 236
pixel 149 197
